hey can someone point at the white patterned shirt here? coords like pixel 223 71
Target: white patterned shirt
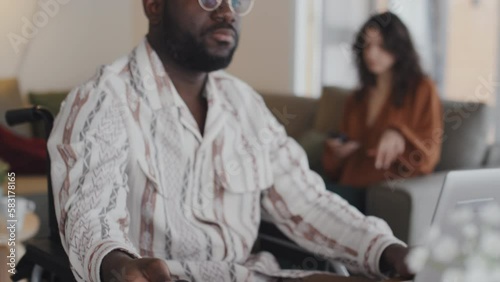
pixel 131 171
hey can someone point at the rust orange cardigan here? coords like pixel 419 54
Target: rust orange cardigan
pixel 419 120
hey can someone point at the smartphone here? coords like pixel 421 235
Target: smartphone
pixel 343 138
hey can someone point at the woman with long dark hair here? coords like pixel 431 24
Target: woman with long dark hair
pixel 392 125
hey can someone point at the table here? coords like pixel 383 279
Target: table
pixel 329 278
pixel 31 226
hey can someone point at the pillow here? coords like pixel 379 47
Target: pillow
pixel 10 99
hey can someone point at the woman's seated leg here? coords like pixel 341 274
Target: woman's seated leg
pixel 355 196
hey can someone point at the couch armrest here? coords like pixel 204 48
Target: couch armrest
pixel 493 156
pixel 407 206
pixel 295 113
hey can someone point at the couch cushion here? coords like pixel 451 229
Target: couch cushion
pixel 331 109
pixel 50 100
pixel 466 128
pixel 295 113
pixel 313 143
pixel 10 98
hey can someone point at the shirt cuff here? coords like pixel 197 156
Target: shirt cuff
pixel 374 253
pixel 93 259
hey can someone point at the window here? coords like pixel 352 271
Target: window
pixel 341 20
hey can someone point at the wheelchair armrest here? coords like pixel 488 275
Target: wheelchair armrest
pixel 290 255
pixel 49 255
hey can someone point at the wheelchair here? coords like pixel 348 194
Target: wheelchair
pixel 45 258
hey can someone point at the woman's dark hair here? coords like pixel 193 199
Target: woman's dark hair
pixel 407 73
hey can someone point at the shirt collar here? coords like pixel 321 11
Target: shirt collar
pixel 153 83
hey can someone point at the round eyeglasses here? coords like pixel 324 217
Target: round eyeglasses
pixel 240 7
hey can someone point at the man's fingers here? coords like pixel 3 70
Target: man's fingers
pixel 394 257
pixel 404 271
pixel 156 270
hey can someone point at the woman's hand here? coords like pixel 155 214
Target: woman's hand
pixel 391 146
pixel 342 150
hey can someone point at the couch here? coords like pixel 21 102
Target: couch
pixel 408 205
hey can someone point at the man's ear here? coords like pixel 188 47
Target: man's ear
pixel 154 10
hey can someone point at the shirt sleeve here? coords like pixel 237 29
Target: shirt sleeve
pixel 89 149
pixel 315 218
pixel 424 132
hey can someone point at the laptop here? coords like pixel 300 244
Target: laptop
pixel 472 189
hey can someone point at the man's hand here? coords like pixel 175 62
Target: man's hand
pixel 393 261
pixel 342 150
pixel 117 266
pixel 391 146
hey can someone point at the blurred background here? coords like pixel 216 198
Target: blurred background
pixel 298 50
pixel 289 47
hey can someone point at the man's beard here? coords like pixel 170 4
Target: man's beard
pixel 186 51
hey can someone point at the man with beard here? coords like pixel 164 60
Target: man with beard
pixel 162 164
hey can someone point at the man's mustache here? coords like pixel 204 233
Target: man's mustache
pixel 221 26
